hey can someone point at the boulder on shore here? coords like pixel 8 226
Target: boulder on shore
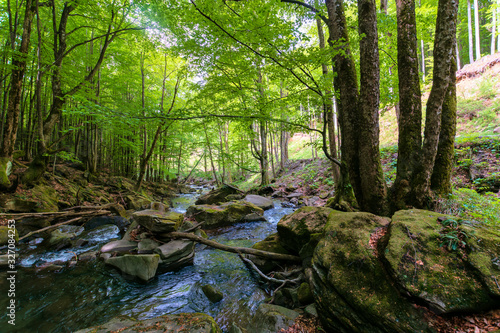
pixel 158 222
pixel 226 214
pixel 259 201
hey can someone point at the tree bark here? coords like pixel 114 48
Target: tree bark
pixel 444 52
pixel 477 31
pixel 410 117
pixel 471 36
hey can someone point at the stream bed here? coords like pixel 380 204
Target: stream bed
pixel 91 294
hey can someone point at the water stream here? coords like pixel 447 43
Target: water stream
pixel 92 294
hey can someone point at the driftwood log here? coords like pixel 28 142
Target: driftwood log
pixel 233 249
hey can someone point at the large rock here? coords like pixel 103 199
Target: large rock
pixel 299 231
pixel 175 254
pixel 182 322
pixel 271 318
pixel 446 280
pixel 351 288
pixel 216 196
pixel 64 234
pixel 158 222
pixel 141 266
pixel 270 244
pixel 119 246
pixel 226 214
pixel 259 201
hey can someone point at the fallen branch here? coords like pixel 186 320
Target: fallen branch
pixel 233 249
pixel 49 227
pixel 56 214
pixel 268 278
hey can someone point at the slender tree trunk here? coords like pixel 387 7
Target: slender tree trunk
pixel 471 36
pixel 477 31
pixel 443 166
pixel 493 30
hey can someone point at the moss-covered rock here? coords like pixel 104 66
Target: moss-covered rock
pixel 441 278
pixel 304 294
pixel 352 291
pixel 270 244
pixel 137 202
pixel 226 214
pixel 47 198
pixel 212 293
pixel 140 266
pixel 216 196
pixel 158 222
pixel 295 230
pixel 7 233
pixel 182 323
pixel 259 201
pixel 271 318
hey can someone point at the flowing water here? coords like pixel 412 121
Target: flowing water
pixel 92 294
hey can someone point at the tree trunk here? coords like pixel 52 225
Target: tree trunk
pixel 493 30
pixel 444 53
pixel 477 31
pixel 15 95
pixel 471 36
pixel 410 117
pixel 443 166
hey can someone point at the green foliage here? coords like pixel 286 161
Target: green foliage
pixel 453 235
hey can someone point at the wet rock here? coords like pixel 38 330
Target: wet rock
pixel 119 246
pixel 429 271
pixel 351 288
pixel 6 233
pixel 277 194
pixel 141 266
pixel 175 254
pixel 311 310
pixel 254 217
pixel 88 256
pixel 294 195
pixel 226 214
pixel 158 222
pixel 63 235
pixel 259 201
pixel 216 196
pixel 324 194
pixel 212 293
pixel 27 225
pixel 19 206
pixel 302 227
pixel 271 318
pixel 147 246
pixel 182 322
pixel 233 197
pixel 103 233
pixel 159 207
pixel 97 221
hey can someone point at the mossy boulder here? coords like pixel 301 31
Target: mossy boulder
pixel 447 281
pixel 140 266
pixel 158 222
pixel 226 214
pixel 270 244
pixel 47 198
pixel 304 294
pixel 182 322
pixel 271 318
pixel 351 288
pixel 213 294
pixel 217 195
pixel 6 233
pixel 297 229
pixel 137 202
pixel 19 205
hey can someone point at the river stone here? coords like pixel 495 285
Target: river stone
pixel 158 222
pixel 259 201
pixel 119 246
pixel 351 288
pixel 298 229
pixel 97 221
pixel 226 214
pixel 175 254
pixel 271 318
pixel 429 272
pixel 4 235
pixel 254 217
pixel 146 246
pixel 212 293
pixel 64 234
pixel 304 294
pixel 141 266
pixel 182 322
pixel 217 195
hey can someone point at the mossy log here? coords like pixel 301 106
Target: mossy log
pixel 233 249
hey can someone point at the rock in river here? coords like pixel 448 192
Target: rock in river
pixel 158 222
pixel 141 266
